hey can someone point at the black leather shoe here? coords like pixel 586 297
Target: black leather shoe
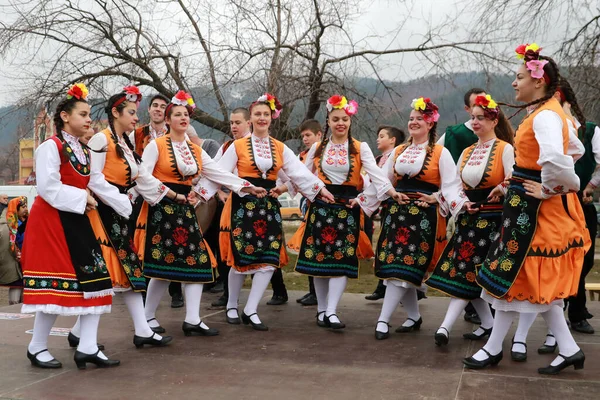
pixel 414 327
pixel 81 359
pixel 546 349
pixel 303 297
pixel 472 363
pixel 440 338
pixel 277 300
pixel 258 327
pixel 232 321
pixel 588 315
pixel 321 324
pixel 333 325
pixel 218 288
pixel 177 301
pixel 473 336
pixel 472 318
pixel 310 300
pixel 582 327
pixel 189 329
pixel 421 295
pixel 517 355
pixel 576 360
pixel 74 341
pixel 375 296
pixel 139 341
pixel 54 363
pixel 220 302
pixel 156 329
pixel 382 335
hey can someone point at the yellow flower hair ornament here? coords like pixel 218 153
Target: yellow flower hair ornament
pixel 427 108
pixel 338 102
pixel 78 91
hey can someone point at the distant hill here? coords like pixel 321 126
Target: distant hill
pixel 446 92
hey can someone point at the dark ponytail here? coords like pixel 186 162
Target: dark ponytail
pixel 111 124
pixel 504 131
pixel 570 98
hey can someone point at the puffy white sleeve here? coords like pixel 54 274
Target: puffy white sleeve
pixel 205 187
pixel 97 143
pixel 451 186
pixel 442 140
pixel 575 148
pixel 310 158
pixel 150 156
pixel 150 188
pixel 131 139
pixel 368 199
pixel 444 205
pixel 377 176
pixel 508 162
pixel 212 171
pixel 219 154
pixel 595 180
pixel 109 194
pixel 306 182
pixel 558 169
pixel 49 186
pixel 283 179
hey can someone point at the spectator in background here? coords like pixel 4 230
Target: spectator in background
pixel 10 271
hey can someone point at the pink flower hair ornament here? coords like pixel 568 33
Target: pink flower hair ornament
pixel 272 102
pixel 536 68
pixel 337 102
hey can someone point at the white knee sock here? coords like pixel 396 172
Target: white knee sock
pixel 411 305
pixel 502 322
pixel 156 290
pixel 322 291
pixel 336 290
pixel 14 295
pixel 235 282
pixel 550 339
pixel 485 315
pixel 455 308
pixel 392 297
pixel 76 329
pixel 135 305
pixel 525 322
pixel 41 330
pixel 193 297
pixel 88 342
pixel 555 318
pixel 257 290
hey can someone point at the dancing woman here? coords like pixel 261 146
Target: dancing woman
pixel 63 268
pixel 483 167
pixel 536 261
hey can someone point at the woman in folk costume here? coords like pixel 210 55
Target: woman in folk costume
pixel 413 233
pixel 483 167
pixel 537 259
pixel 63 268
pixel 332 239
pixel 113 155
pixel 173 248
pixel 251 239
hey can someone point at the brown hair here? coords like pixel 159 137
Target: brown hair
pixel 393 132
pixel 111 123
pixel 310 125
pixel 321 146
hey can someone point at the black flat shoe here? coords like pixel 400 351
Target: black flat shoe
pixel 81 359
pixel 258 327
pixel 375 296
pixel 310 300
pixel 517 355
pixel 472 318
pixel 176 302
pixel 220 302
pixel 333 325
pixel 302 298
pixel 473 336
pixel 156 329
pixel 472 363
pixel 139 341
pixel 546 349
pixel 189 329
pixel 232 321
pixel 440 338
pixel 382 335
pixel 582 327
pixel 414 327
pixel 277 300
pixel 576 360
pixel 54 363
pixel 74 341
pixel 321 324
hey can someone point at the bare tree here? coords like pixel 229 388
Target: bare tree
pixel 301 50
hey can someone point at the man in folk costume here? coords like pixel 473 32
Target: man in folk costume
pixel 536 260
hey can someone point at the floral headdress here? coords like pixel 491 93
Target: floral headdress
pixel 427 107
pixel 338 102
pixel 489 106
pixel 273 103
pixel 78 91
pixel 182 98
pixel 131 94
pixel 530 54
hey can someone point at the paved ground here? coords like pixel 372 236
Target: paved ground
pixel 294 360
